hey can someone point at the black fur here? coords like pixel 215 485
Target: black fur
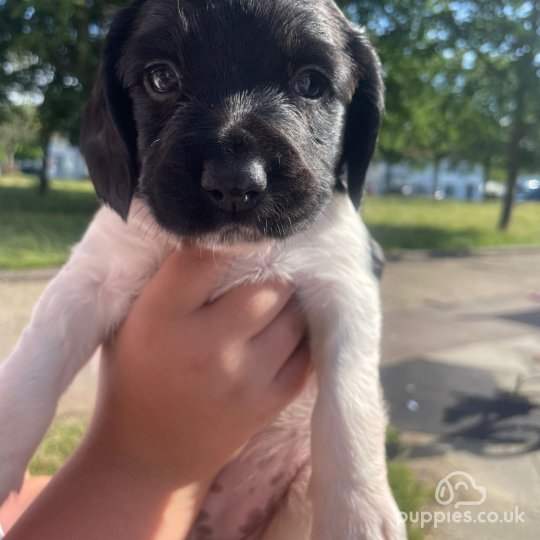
pixel 237 60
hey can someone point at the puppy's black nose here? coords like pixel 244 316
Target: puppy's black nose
pixel 234 185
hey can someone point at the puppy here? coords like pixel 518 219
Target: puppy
pixel 246 126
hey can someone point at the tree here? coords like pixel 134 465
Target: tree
pixel 18 128
pixel 485 56
pixel 500 45
pixel 420 104
pixel 50 51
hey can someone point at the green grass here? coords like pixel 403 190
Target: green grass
pixel 410 495
pixel 59 443
pixel 393 442
pixel 37 231
pixel 420 223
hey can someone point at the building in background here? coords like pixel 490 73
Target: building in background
pixel 65 160
pixel 454 181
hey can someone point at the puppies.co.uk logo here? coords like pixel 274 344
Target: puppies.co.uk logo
pixel 449 486
pixel 456 490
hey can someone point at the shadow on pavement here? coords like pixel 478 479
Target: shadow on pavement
pixel 531 318
pixel 463 407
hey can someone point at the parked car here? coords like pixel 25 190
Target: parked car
pixel 532 195
pixel 529 190
pixel 494 190
pixel 30 166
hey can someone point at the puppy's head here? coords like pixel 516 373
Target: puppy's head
pixel 233 119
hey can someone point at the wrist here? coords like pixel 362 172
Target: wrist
pixel 97 494
pixel 171 501
pixel 136 458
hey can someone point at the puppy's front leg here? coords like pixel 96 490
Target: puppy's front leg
pixel 85 301
pixel 349 488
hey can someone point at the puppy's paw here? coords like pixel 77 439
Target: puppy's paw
pixel 360 518
pixel 381 521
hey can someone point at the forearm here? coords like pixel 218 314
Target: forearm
pixel 96 496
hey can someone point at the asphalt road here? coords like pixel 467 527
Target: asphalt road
pixel 461 374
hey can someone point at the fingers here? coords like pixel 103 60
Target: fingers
pixel 248 308
pixel 185 281
pixel 293 375
pixel 277 342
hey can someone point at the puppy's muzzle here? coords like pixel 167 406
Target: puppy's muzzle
pixel 234 185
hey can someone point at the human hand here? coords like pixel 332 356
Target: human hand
pixel 185 384
pixel 188 382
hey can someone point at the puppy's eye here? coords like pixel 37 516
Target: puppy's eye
pixel 162 79
pixel 310 84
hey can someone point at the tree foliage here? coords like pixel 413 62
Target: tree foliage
pixel 463 80
pixel 50 53
pixel 462 77
pixel 18 130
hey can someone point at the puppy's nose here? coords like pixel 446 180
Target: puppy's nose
pixel 234 186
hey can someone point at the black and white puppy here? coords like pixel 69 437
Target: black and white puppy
pixel 247 126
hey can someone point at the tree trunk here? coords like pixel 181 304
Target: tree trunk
pixel 508 201
pixel 9 165
pixel 44 173
pixel 513 155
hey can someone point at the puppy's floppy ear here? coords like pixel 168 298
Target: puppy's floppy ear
pixel 108 133
pixel 364 113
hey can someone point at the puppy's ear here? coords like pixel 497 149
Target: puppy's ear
pixel 364 113
pixel 108 132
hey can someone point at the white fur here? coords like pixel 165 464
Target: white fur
pixel 331 267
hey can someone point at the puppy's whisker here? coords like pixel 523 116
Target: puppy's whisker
pixel 149 228
pixel 139 210
pixel 143 222
pixel 135 215
pixel 169 236
pixel 158 230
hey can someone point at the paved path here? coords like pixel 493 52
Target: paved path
pixel 18 294
pixel 458 333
